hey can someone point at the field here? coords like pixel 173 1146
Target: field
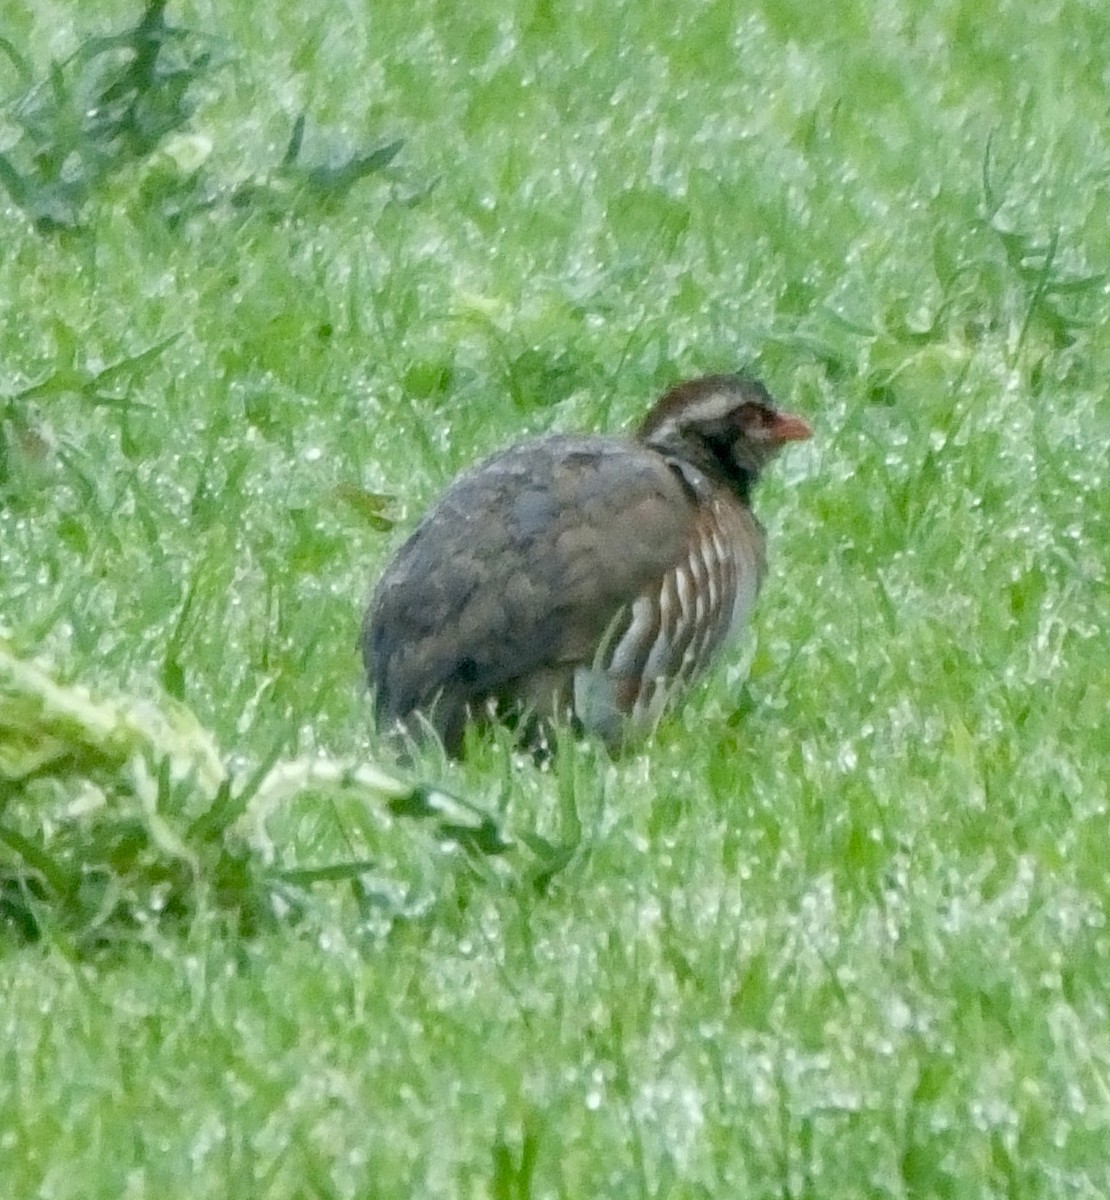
pixel 839 929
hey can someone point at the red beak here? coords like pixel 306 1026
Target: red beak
pixel 790 429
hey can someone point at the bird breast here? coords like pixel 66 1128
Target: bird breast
pixel 658 645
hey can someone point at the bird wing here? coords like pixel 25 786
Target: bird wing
pixel 521 566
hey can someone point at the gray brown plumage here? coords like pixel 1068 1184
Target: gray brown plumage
pixel 588 576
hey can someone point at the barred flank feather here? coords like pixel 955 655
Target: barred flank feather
pixel 667 638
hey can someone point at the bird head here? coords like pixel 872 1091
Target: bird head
pixel 726 425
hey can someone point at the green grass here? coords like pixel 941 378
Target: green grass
pixel 840 930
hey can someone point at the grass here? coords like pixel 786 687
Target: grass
pixel 840 930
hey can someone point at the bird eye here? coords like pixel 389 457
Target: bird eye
pixel 754 418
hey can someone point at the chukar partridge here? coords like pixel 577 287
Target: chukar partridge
pixel 584 577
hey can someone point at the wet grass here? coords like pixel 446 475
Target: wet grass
pixel 841 929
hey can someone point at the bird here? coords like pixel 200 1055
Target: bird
pixel 587 579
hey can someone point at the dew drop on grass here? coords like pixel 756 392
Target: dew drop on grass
pixel 846 758
pixel 899 1014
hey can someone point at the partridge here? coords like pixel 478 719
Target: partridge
pixel 584 577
